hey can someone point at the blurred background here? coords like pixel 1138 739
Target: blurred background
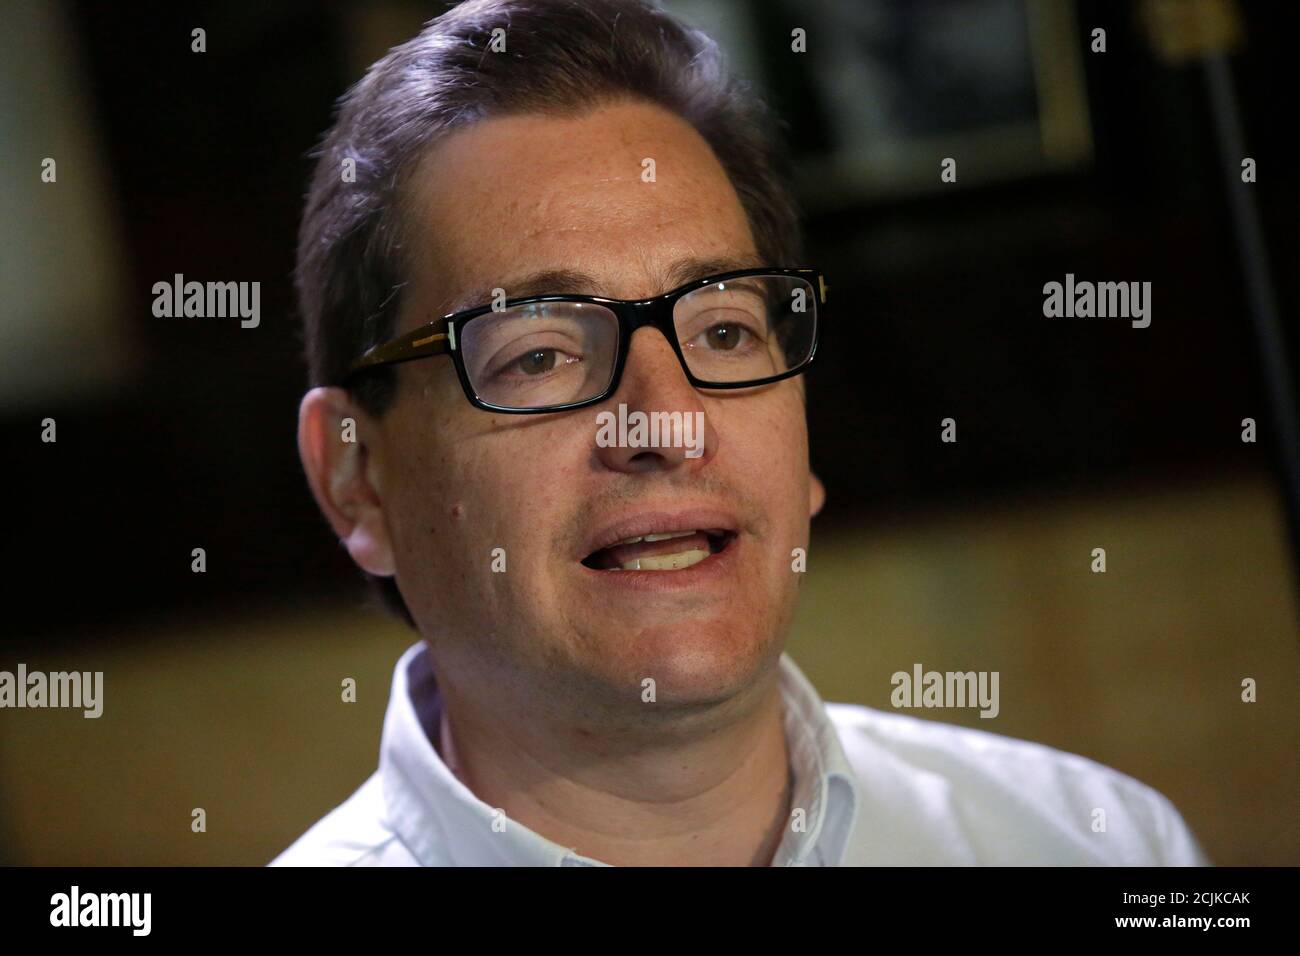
pixel 222 688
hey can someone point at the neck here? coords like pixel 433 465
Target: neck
pixel 712 796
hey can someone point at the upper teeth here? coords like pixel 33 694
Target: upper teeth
pixel 656 537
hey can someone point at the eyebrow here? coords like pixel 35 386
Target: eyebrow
pixel 573 282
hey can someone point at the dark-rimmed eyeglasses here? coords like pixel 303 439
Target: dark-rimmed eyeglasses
pixel 551 353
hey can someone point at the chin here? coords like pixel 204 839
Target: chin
pixel 700 662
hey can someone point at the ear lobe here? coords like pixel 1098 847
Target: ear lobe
pixel 816 495
pixel 334 453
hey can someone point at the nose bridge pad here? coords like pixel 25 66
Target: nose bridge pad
pixel 656 314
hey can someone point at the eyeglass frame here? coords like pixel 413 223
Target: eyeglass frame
pixel 438 337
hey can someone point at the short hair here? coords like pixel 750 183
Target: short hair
pixel 561 58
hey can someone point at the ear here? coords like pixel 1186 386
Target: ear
pixel 816 495
pixel 333 436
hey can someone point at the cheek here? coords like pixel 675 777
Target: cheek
pixel 466 494
pixel 445 532
pixel 763 448
pixel 769 441
pixel 422 498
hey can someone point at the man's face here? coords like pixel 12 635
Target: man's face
pixel 493 203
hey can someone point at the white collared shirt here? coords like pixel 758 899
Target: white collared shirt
pixel 875 788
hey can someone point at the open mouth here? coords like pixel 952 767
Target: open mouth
pixel 661 551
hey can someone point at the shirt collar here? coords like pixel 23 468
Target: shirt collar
pixel 442 821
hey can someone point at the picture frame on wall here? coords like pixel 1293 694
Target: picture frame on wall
pixel 895 87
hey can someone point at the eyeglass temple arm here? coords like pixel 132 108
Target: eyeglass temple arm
pixel 432 339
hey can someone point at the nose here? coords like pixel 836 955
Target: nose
pixel 655 421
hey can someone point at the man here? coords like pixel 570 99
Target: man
pixel 600 677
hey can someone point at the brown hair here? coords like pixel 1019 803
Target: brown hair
pixel 561 57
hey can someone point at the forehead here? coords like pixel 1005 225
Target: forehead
pixel 622 193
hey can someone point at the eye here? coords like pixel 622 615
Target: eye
pixel 725 330
pixel 724 336
pixel 537 361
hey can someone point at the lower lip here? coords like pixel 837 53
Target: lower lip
pixel 713 569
